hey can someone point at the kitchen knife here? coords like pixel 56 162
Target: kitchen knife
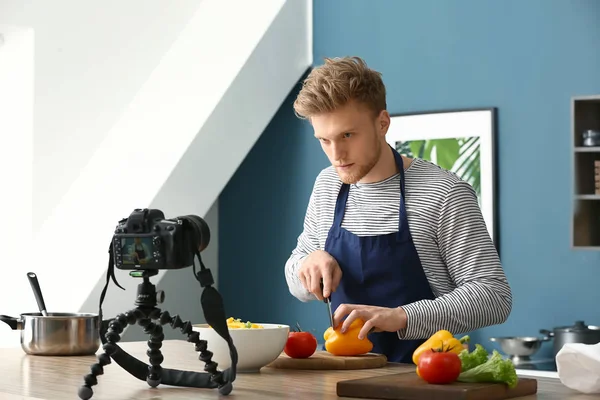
pixel 327 301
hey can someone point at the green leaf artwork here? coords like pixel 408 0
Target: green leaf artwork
pixel 459 155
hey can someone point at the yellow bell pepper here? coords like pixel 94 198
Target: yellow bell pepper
pixel 442 340
pixel 348 343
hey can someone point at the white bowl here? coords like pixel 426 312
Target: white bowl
pixel 255 347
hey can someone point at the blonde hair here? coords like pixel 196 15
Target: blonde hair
pixel 337 82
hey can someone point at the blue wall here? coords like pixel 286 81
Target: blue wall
pixel 525 57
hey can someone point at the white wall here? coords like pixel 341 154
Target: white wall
pixel 140 104
pixel 91 60
pixel 243 112
pixel 16 157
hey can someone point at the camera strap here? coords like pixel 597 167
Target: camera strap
pixel 214 313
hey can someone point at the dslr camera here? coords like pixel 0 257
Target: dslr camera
pixel 148 241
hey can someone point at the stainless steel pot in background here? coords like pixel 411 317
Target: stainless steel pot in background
pixel 57 334
pixel 578 333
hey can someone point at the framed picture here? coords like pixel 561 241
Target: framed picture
pixel 461 141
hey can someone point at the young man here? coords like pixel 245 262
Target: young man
pixel 397 242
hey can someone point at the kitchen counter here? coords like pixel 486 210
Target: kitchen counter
pixel 28 377
pixel 528 373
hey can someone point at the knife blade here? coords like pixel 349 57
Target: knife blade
pixel 327 301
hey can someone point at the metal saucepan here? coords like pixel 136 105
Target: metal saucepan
pixel 55 333
pixel 578 333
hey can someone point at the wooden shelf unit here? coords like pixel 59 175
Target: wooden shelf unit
pixel 585 227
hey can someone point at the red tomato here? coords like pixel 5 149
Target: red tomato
pixel 439 367
pixel 300 345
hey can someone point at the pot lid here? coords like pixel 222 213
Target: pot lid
pixel 579 326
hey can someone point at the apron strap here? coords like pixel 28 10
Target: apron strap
pixel 402 217
pixel 340 206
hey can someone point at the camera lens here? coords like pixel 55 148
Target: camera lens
pixel 201 230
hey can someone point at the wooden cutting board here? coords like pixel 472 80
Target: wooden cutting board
pixel 408 386
pixel 325 360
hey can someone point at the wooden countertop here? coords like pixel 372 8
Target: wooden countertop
pixel 28 377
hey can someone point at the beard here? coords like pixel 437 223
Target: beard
pixel 358 171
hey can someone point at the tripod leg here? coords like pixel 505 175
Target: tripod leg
pixel 112 336
pixel 154 344
pixel 201 346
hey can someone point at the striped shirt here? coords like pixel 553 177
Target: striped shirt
pixel 457 254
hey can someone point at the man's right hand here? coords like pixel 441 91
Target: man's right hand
pixel 320 265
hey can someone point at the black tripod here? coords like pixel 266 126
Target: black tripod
pixel 144 314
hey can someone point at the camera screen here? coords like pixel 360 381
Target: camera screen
pixel 136 250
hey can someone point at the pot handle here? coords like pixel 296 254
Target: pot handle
pixel 14 323
pixel 548 334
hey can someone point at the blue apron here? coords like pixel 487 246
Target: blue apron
pixel 382 270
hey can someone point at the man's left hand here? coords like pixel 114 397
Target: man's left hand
pixel 378 319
